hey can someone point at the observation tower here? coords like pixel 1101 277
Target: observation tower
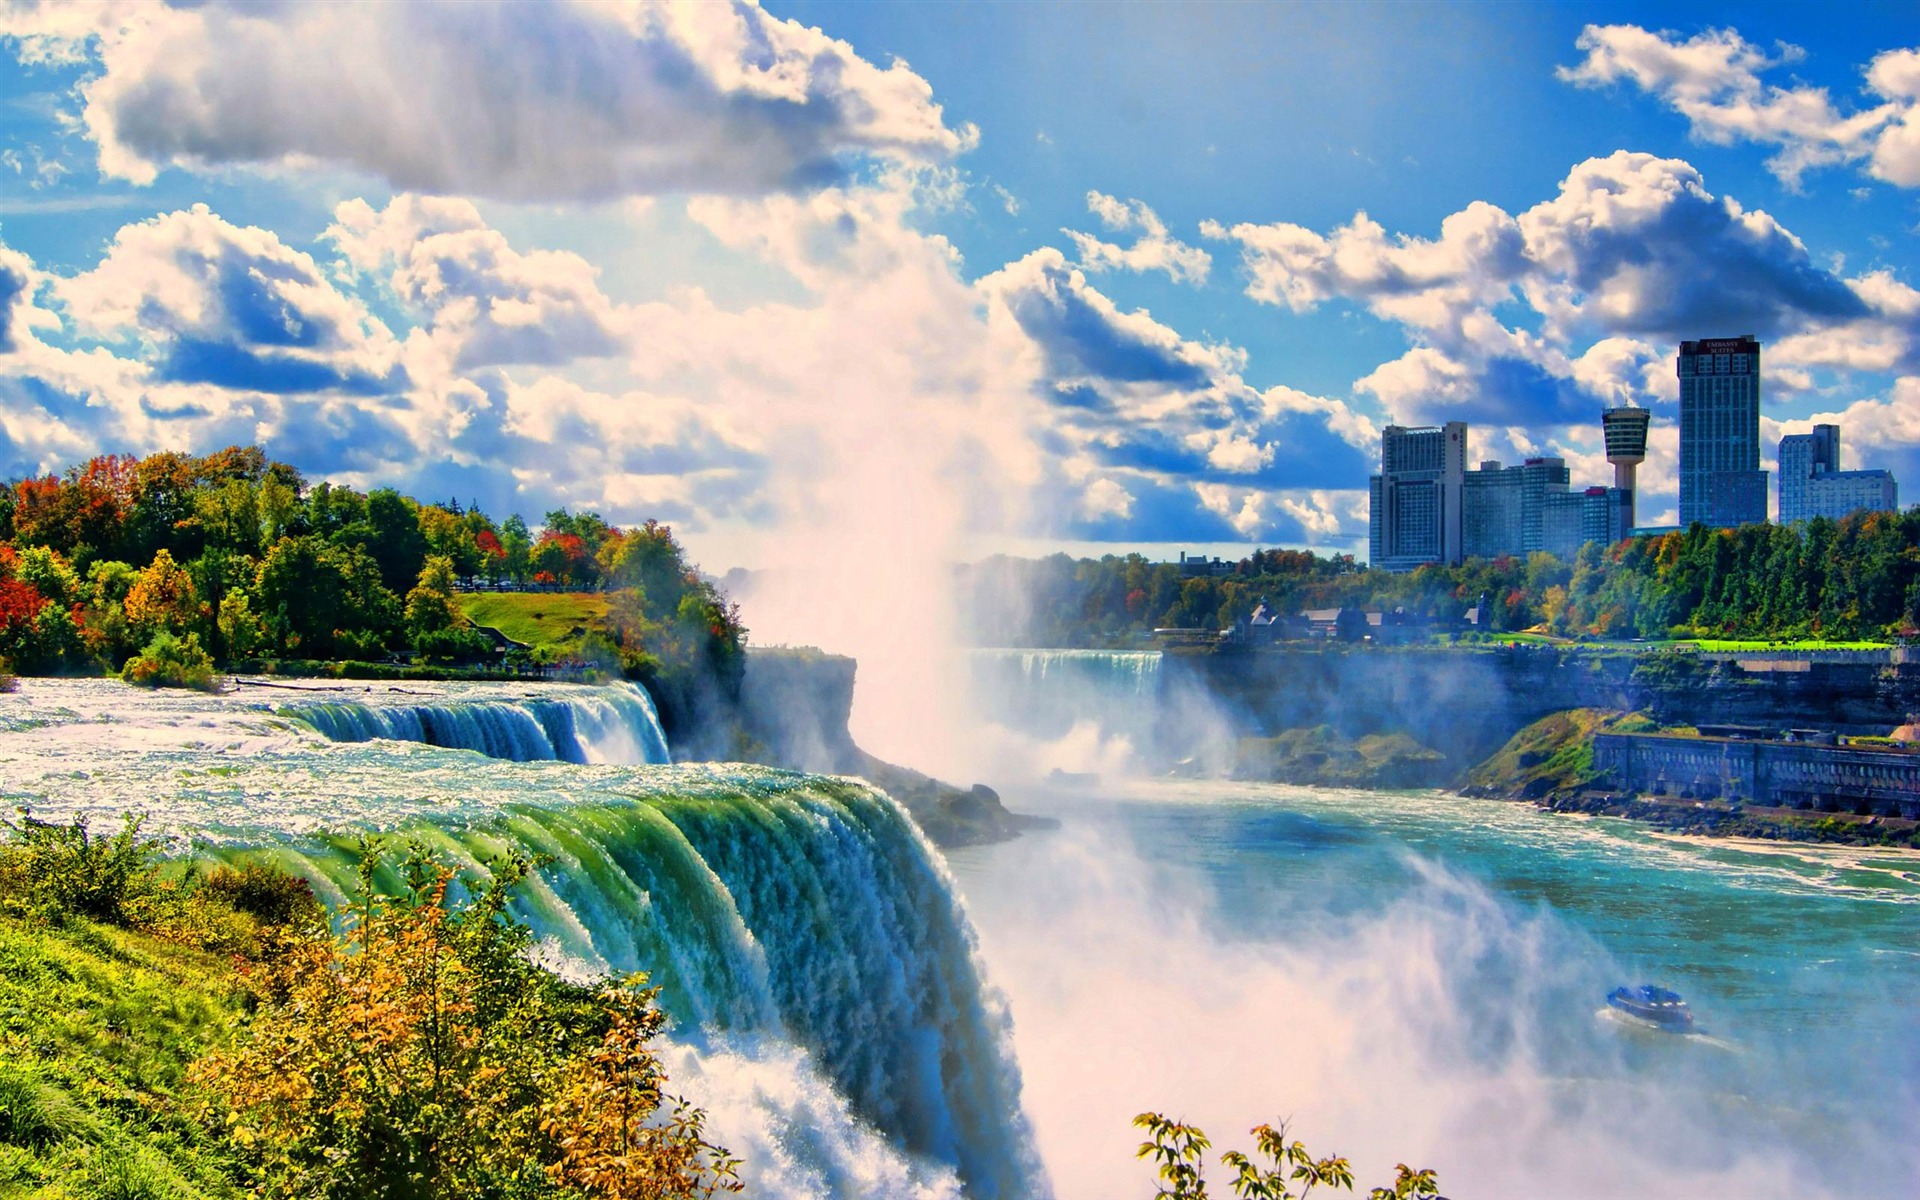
pixel 1626 433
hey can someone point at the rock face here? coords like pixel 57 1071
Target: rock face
pixel 793 712
pixel 1466 702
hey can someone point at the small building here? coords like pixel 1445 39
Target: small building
pixel 1265 626
pixel 1199 565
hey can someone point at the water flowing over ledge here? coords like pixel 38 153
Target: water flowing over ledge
pixel 616 723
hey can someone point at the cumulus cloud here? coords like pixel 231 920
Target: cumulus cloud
pixel 1715 80
pixel 1161 417
pixel 1633 252
pixel 485 303
pixel 1153 250
pixel 1637 244
pixel 569 100
pixel 229 305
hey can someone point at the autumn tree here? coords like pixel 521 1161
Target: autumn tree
pixel 424 1054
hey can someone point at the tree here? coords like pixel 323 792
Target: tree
pixel 430 603
pixel 163 597
pixel 517 548
pixel 1179 1150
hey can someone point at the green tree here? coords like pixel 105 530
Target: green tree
pixel 430 603
pixel 1277 1166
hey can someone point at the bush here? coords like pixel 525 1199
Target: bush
pixel 170 661
pixel 424 1054
pixel 270 896
pixel 55 871
pixel 1181 1151
pixel 458 645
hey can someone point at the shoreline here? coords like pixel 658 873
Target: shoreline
pixel 1728 824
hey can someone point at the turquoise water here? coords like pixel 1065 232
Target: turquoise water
pixel 1421 977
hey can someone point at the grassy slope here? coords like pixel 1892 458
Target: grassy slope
pixel 1554 755
pixel 556 619
pixel 96 1028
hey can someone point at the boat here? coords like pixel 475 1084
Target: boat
pixel 1654 1005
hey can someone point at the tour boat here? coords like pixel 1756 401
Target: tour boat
pixel 1654 1005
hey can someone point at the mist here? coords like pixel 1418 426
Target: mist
pixel 1430 1021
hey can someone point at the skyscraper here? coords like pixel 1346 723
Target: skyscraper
pixel 1721 483
pixel 1813 485
pixel 1802 455
pixel 1415 511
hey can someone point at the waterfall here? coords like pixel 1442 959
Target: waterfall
pixel 610 724
pixel 828 1000
pixel 1107 699
pixel 773 909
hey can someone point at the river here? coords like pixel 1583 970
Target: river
pixel 1419 977
pixel 1405 976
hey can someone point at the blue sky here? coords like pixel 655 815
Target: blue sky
pixel 859 277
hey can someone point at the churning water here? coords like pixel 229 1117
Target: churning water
pixel 1417 977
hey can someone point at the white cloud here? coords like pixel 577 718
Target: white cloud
pixel 1632 252
pixel 221 301
pixel 568 100
pixel 1714 79
pixel 1152 250
pixel 485 303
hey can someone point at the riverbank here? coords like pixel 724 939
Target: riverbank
pixel 1550 764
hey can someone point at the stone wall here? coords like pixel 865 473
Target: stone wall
pixel 1775 774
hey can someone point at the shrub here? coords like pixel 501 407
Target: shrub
pixel 270 896
pixel 170 661
pixel 1181 1149
pixel 424 1054
pixel 54 871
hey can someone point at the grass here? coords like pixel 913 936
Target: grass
pixel 1721 646
pixel 97 1026
pixel 555 619
pixel 1554 755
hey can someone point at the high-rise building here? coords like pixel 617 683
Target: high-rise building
pixel 1572 519
pixel 1540 478
pixel 1490 511
pixel 1813 485
pixel 1837 494
pixel 1626 436
pixel 1801 456
pixel 1415 500
pixel 1721 483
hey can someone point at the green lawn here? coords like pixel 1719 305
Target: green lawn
pixel 97 1026
pixel 1722 646
pixel 556 619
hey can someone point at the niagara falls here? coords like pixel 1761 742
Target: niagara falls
pixel 671 599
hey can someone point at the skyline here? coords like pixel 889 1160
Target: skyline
pixel 1089 275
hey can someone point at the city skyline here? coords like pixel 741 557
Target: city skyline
pixel 1115 276
pixel 1424 505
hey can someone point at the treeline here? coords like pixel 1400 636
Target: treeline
pixel 1854 578
pixel 240 558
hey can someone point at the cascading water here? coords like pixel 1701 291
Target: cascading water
pixel 611 724
pixel 1074 709
pixel 827 993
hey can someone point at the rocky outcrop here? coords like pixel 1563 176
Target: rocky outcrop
pixel 795 704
